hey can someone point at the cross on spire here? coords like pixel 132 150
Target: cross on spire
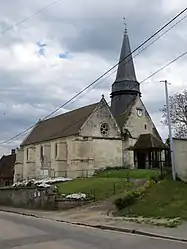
pixel 125 25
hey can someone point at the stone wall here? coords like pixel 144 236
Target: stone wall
pixel 64 204
pixel 139 125
pixel 28 197
pixel 37 198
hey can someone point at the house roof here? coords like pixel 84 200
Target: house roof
pixel 63 125
pixel 148 141
pixel 7 166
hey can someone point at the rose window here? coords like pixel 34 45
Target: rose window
pixel 104 129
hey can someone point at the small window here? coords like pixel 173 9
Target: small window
pixel 27 153
pixel 145 127
pixel 56 150
pixel 104 129
pixel 42 153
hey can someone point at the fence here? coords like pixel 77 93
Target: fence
pixel 83 173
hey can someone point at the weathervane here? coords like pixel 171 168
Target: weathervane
pixel 125 24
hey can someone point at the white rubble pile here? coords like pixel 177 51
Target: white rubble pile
pixel 44 185
pixel 76 196
pixel 43 182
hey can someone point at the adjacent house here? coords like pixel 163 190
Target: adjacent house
pixel 95 136
pixel 180 157
pixel 7 163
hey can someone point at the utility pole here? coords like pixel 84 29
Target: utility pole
pixel 170 130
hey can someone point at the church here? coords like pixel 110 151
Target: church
pixel 76 143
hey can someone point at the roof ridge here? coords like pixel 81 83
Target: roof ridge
pixel 63 125
pixel 69 112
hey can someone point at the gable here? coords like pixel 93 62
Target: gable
pixel 97 120
pixel 138 124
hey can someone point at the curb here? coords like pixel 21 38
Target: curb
pixel 102 227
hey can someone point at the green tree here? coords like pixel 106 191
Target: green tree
pixel 178 114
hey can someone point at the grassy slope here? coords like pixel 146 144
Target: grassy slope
pixel 133 173
pixel 165 199
pixel 103 187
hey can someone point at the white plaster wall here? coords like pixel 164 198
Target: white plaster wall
pixel 107 153
pixel 129 154
pixel 180 158
pixel 29 164
pixel 76 155
pixel 135 124
pixel 52 163
pixel 18 171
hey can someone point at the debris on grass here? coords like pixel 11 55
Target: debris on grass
pixel 76 196
pixel 166 222
pixel 41 182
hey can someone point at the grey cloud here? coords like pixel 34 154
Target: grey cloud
pixel 92 27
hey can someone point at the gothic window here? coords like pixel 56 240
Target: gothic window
pixel 104 129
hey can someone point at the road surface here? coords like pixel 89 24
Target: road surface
pixel 17 231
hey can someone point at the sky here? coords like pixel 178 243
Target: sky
pixel 48 58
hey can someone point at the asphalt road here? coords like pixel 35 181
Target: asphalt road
pixel 17 231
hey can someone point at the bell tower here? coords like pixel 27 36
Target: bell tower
pixel 126 87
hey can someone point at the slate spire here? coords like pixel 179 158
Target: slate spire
pixel 126 88
pixel 126 69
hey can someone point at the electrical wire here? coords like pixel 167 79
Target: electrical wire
pixel 25 19
pixel 100 77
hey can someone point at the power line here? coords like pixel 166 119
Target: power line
pixel 151 43
pixel 109 70
pixel 25 19
pixel 171 62
pixel 100 77
pixel 143 81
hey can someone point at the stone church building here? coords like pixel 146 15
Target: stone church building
pixel 94 136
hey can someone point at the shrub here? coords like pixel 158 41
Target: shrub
pixel 131 196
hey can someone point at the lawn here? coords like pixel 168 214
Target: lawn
pixel 165 199
pixel 133 173
pixel 100 187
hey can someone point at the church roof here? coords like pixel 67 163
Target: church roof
pixel 63 125
pixel 126 69
pixel 125 88
pixel 148 141
pixel 121 119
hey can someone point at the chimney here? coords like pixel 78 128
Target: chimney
pixel 13 151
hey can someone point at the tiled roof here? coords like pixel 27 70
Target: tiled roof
pixel 63 125
pixel 148 141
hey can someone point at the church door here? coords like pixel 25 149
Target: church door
pixel 141 159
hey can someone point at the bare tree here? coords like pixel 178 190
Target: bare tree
pixel 178 113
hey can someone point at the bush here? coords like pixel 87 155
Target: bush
pixel 131 196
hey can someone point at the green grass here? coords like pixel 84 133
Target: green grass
pixel 165 199
pixel 103 187
pixel 133 173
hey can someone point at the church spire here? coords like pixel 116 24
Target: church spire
pixel 126 88
pixel 126 69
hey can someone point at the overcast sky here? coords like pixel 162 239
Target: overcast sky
pixel 46 60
